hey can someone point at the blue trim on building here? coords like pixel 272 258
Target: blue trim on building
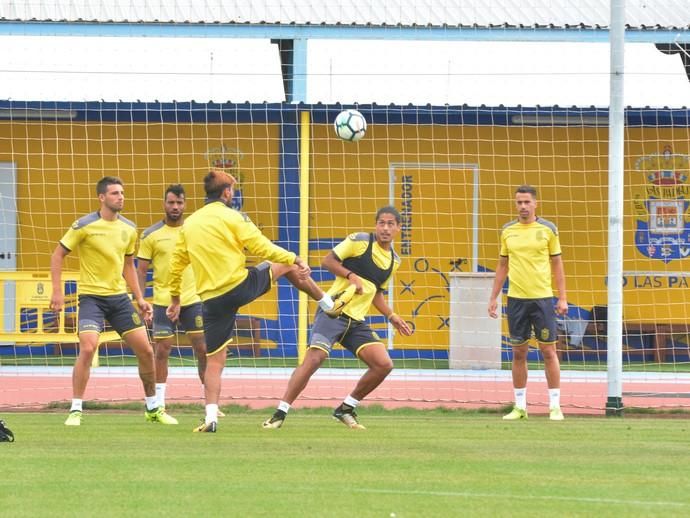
pixel 299 74
pixel 286 114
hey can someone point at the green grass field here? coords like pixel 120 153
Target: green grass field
pixel 406 464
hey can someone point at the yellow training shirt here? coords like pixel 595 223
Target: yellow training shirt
pixel 102 246
pixel 529 248
pixel 354 246
pixel 156 245
pixel 213 240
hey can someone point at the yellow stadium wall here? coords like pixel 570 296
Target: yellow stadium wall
pixel 59 164
pixel 569 166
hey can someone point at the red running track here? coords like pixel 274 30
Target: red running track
pixel 582 393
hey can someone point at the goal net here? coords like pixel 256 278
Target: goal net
pixel 450 169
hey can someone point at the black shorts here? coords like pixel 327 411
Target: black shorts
pixel 352 334
pixel 219 312
pixel 191 321
pixel 527 315
pixel 118 310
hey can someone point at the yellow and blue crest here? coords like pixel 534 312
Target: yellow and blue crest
pixel 661 206
pixel 228 158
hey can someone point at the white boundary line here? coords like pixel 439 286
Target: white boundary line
pixel 467 494
pixel 427 375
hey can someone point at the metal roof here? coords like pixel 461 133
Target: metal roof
pixel 640 14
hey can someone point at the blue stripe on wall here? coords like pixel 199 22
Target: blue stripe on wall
pixel 285 114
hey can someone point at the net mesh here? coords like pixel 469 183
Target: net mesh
pixel 450 170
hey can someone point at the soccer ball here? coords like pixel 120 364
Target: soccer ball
pixel 350 125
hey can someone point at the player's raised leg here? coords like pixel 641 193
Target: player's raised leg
pixel 306 284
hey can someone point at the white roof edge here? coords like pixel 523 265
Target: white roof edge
pixel 640 14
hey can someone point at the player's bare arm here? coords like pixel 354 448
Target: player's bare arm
pixel 399 323
pixel 57 299
pixel 335 266
pixel 499 281
pixel 173 310
pixel 559 276
pixel 303 269
pixel 130 274
pixel 142 270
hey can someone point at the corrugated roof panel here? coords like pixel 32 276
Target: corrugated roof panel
pixel 528 13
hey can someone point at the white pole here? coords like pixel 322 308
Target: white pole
pixel 475 220
pixel 614 362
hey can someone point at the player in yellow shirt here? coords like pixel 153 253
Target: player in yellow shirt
pixel 363 263
pixel 213 240
pixel 155 248
pixel 530 253
pixel 106 242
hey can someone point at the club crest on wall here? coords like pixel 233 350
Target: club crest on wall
pixel 227 158
pixel 661 206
